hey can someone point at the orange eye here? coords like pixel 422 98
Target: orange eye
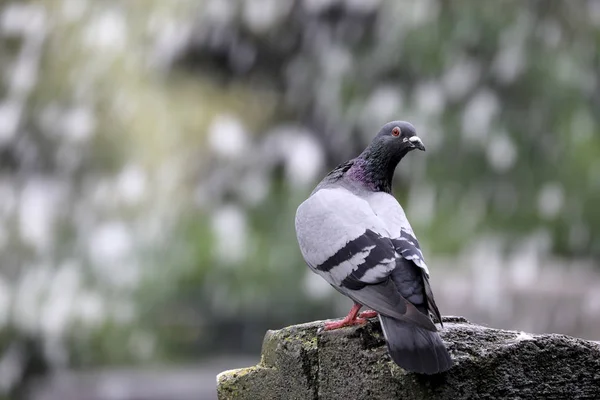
pixel 396 131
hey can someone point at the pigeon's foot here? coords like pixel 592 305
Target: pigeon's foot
pixel 329 326
pixel 367 314
pixel 351 319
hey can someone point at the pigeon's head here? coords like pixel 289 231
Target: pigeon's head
pixel 375 166
pixel 398 137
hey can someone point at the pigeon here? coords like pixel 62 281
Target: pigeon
pixel 353 232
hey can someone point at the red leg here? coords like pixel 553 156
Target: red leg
pixel 367 314
pixel 351 319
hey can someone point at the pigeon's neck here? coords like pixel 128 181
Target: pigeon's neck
pixel 374 170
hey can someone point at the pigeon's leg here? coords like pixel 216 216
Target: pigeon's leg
pixel 351 319
pixel 367 314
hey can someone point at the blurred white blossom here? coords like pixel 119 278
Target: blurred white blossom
pixel 38 209
pixel 550 200
pixel 10 115
pixel 501 152
pixel 107 31
pixel 478 114
pixel 227 137
pixel 230 231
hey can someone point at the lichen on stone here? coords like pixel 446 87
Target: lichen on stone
pixel 298 362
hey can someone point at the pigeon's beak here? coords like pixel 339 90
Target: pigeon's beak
pixel 416 142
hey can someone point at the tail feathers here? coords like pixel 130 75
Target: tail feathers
pixel 415 349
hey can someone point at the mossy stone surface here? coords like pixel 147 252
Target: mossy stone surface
pixel 300 362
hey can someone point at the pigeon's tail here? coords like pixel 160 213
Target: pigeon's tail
pixel 413 348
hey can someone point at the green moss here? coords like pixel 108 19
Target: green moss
pixel 245 371
pixel 227 383
pixel 301 337
pixel 234 384
pixel 305 339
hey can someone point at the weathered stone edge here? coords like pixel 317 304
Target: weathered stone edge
pixel 303 338
pixel 231 382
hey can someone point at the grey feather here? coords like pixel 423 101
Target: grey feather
pixel 414 348
pixel 432 307
pixel 386 300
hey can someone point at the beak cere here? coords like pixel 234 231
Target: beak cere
pixel 417 142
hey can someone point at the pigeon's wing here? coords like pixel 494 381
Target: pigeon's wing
pixel 404 240
pixel 342 240
pixel 408 247
pixel 385 298
pixel 387 208
pixel 338 234
pixel 431 301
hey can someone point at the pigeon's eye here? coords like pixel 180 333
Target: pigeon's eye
pixel 396 131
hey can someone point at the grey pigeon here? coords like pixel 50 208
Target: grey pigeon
pixel 355 234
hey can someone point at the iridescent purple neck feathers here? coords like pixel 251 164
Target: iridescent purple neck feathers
pixel 361 173
pixel 369 177
pixel 373 169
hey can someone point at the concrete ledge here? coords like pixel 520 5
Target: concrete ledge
pixel 352 363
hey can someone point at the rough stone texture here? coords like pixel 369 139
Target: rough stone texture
pixel 352 363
